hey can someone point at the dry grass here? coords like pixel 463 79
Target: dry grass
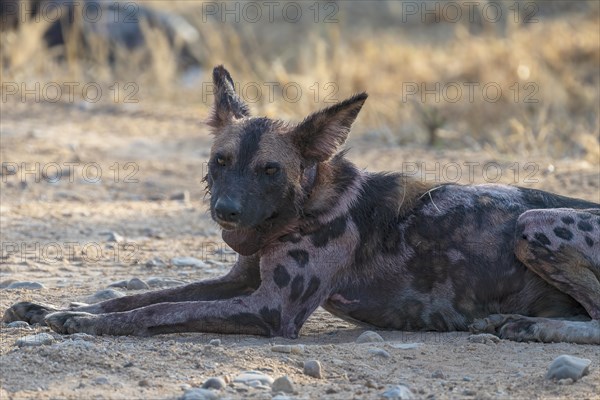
pixel 555 61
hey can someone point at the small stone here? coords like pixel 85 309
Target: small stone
pixel 313 368
pixel 281 397
pixel 214 383
pixel 26 285
pixel 188 262
pixel 399 392
pixel 566 366
pixel 115 237
pixel 119 284
pixel 282 348
pixel 438 374
pixel 379 353
pixel 298 349
pixel 183 196
pixel 370 383
pixel 164 282
pixel 137 284
pixel 155 263
pixel 101 380
pixel 35 340
pixel 144 383
pixel 369 337
pixel 248 376
pixel 215 342
pixel 467 378
pixel 405 346
pixel 283 384
pixel 18 325
pixel 102 295
pixel 485 338
pixel 199 394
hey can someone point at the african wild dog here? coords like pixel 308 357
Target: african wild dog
pixel 379 249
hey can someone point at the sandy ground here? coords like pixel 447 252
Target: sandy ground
pixel 54 231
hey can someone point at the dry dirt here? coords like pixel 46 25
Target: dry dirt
pixel 60 230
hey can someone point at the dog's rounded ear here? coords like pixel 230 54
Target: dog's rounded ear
pixel 228 105
pixel 320 135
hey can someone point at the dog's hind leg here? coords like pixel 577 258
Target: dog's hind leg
pixel 547 330
pixel 562 246
pixel 243 278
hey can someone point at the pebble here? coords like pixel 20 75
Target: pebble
pixel 199 394
pixel 102 295
pixel 399 392
pixel 248 377
pixel 26 285
pixel 286 348
pixel 184 196
pixel 485 338
pixel 282 348
pixel 215 342
pixel 214 383
pixel 283 384
pixel 281 397
pixel 369 337
pixel 119 284
pixel 137 284
pixel 405 346
pixel 566 366
pixel 164 282
pixel 379 353
pixel 18 325
pixel 155 263
pixel 438 374
pixel 101 380
pixel 115 237
pixel 188 262
pixel 35 340
pixel 313 368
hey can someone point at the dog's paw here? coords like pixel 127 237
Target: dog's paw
pixel 29 312
pixel 67 322
pixel 489 324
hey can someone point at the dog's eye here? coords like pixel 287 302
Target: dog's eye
pixel 271 168
pixel 220 160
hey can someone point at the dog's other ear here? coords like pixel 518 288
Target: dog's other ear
pixel 228 105
pixel 321 134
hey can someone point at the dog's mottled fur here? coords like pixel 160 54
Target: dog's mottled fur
pixel 378 249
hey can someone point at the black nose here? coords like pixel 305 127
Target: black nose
pixel 228 209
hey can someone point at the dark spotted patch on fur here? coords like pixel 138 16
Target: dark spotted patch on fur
pixel 281 276
pixel 313 286
pixel 272 317
pixel 250 142
pixel 249 319
pixel 375 214
pixel 332 230
pixel 291 238
pixel 540 199
pixel 568 220
pixel 543 239
pixel 563 233
pixel 589 241
pixel 584 226
pixel 297 287
pixel 438 322
pixel 300 317
pixel 300 256
pixel 584 216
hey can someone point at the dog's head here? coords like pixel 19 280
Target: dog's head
pixel 261 171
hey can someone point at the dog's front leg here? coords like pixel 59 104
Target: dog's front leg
pixel 279 307
pixel 243 278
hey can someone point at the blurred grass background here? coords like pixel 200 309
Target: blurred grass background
pixel 545 57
